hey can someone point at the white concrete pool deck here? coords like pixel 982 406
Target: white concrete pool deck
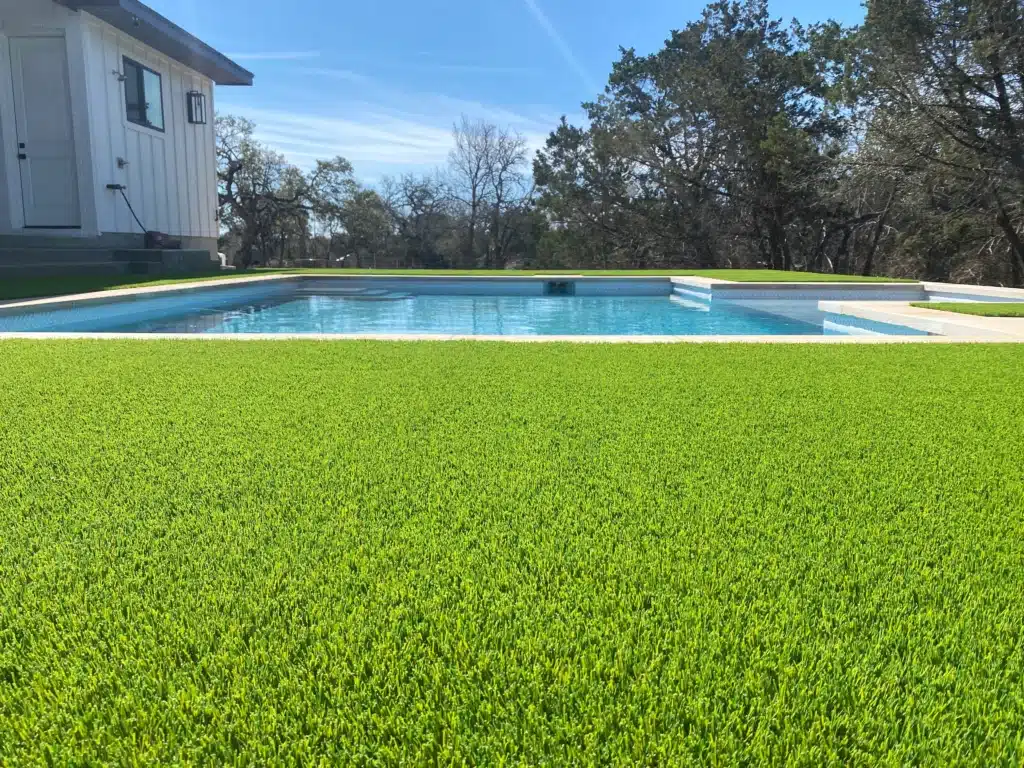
pixel 952 328
pixel 949 325
pixel 148 290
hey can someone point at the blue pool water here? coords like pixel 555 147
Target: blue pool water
pixel 450 307
pixel 491 316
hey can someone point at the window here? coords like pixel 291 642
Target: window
pixel 143 95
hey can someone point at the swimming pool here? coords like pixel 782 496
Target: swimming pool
pixel 463 307
pixel 489 316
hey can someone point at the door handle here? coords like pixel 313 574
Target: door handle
pixel 22 156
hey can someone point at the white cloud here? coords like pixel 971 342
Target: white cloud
pixel 274 55
pixel 562 46
pixel 336 74
pixel 370 139
pixel 380 129
pixel 483 69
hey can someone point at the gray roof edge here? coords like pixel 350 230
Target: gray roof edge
pixel 146 25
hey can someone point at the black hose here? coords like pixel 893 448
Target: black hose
pixel 128 203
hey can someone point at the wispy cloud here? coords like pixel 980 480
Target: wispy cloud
pixel 336 74
pixel 385 98
pixel 369 139
pixel 382 129
pixel 563 47
pixel 483 69
pixel 391 66
pixel 377 140
pixel 274 55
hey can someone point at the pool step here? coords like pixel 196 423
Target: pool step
pixel 378 296
pixel 357 293
pixel 347 290
pixel 690 303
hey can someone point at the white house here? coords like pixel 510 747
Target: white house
pixel 100 98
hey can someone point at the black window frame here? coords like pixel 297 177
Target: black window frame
pixel 128 61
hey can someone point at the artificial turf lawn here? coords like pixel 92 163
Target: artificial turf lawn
pixel 983 309
pixel 456 553
pixel 34 287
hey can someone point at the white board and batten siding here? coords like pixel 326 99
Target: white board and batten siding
pixel 171 176
pixel 28 24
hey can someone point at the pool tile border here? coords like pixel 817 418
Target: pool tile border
pixel 411 337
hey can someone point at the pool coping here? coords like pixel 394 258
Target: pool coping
pixel 945 324
pixel 951 327
pixel 67 300
pixel 728 286
pixel 981 291
pixel 129 294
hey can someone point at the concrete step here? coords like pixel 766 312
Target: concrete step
pixel 109 241
pixel 168 257
pixel 33 256
pixel 44 261
pixel 8 272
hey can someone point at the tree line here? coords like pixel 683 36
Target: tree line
pixel 477 211
pixel 892 148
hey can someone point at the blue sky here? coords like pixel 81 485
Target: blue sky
pixel 381 82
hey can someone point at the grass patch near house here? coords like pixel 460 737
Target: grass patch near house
pixel 982 309
pixel 36 287
pixel 470 553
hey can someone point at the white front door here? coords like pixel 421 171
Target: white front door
pixel 46 142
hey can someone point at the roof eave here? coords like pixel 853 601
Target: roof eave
pixel 146 25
